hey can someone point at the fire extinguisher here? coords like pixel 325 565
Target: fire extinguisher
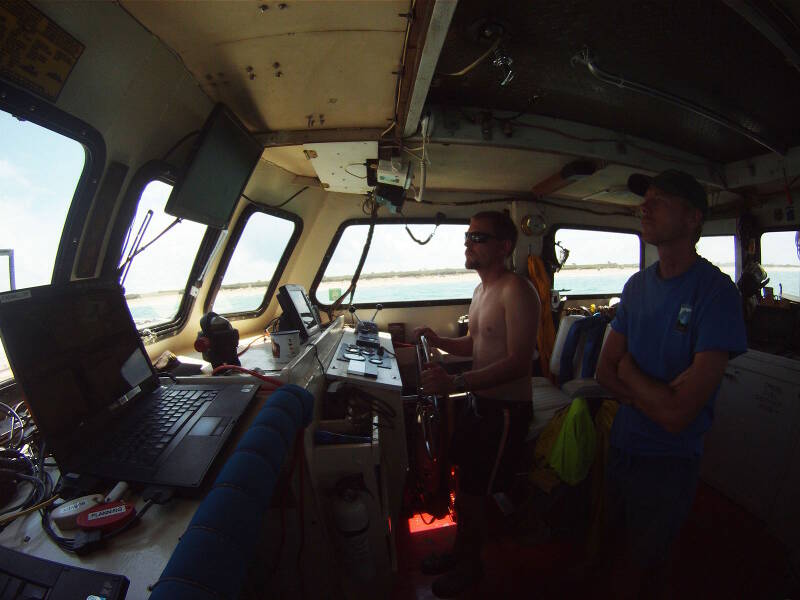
pixel 351 519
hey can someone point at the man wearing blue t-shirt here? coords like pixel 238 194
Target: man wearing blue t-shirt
pixel 676 326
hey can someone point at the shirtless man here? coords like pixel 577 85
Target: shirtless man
pixel 491 430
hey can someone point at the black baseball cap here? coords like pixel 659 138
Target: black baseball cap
pixel 672 182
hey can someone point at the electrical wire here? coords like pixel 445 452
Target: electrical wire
pixel 292 197
pixel 246 348
pixel 515 120
pixel 271 325
pixel 588 210
pixel 7 518
pixel 388 129
pixel 351 289
pixel 265 378
pixel 316 353
pixel 353 174
pixel 407 151
pixel 538 201
pixel 20 468
pixel 177 144
pixel 468 202
pixel 420 242
pixel 369 204
pixel 14 416
pixel 476 62
pixel 401 71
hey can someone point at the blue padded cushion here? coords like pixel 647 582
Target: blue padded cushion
pixel 212 558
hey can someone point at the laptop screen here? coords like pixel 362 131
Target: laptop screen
pixel 76 354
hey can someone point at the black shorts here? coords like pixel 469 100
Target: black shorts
pixel 488 443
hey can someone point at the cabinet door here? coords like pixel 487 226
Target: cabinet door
pixel 784 521
pixel 748 447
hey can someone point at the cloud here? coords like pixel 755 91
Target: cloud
pixel 12 175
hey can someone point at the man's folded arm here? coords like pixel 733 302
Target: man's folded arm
pixel 676 404
pixel 614 350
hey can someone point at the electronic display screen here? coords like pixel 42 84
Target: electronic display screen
pixel 218 171
pixel 297 310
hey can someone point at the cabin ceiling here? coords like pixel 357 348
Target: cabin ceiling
pixel 700 50
pixel 308 65
pixel 301 73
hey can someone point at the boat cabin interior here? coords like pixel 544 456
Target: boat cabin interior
pixel 267 198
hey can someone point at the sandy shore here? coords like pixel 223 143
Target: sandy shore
pixel 400 281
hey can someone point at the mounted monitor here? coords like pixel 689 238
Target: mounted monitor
pixel 298 312
pixel 220 166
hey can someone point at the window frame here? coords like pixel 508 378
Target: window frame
pixel 230 247
pixel 737 251
pixel 157 170
pixel 772 230
pixel 312 292
pixel 549 242
pixel 761 232
pixel 28 107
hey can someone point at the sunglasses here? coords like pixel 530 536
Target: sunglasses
pixel 478 237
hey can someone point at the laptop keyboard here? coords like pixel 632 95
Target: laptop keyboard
pixel 144 442
pixel 26 577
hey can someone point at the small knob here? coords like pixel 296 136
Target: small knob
pixel 202 344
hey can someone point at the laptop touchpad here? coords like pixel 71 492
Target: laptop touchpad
pixel 207 426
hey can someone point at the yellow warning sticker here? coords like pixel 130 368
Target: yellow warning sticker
pixel 35 53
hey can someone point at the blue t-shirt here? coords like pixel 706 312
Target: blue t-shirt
pixel 666 322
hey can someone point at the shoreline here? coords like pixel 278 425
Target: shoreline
pixel 373 279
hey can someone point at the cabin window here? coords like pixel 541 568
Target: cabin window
pixel 157 276
pixel 780 257
pixel 39 171
pixel 719 250
pixel 599 262
pixel 258 253
pixel 397 268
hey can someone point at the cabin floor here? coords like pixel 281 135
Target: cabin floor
pixel 722 552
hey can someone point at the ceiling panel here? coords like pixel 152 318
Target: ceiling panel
pixel 290 158
pixel 312 65
pixel 699 50
pixel 487 168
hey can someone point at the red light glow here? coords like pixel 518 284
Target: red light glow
pixel 417 524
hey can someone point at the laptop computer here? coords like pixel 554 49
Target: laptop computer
pixel 95 396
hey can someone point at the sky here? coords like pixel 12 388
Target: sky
pixel 392 249
pixel 39 171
